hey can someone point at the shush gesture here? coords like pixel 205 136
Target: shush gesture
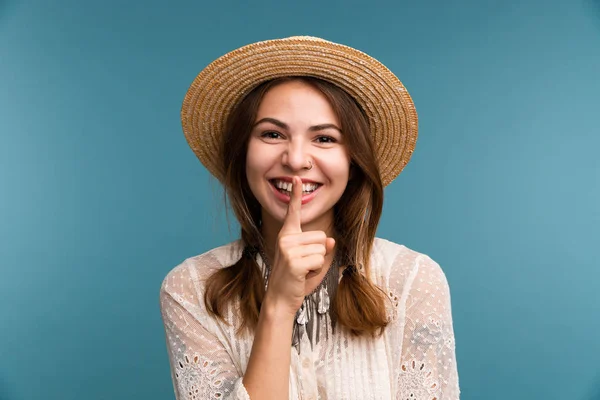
pixel 299 258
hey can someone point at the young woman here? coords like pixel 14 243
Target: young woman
pixel 308 304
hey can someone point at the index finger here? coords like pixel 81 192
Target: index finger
pixel 291 223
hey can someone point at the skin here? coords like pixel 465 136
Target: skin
pixel 295 123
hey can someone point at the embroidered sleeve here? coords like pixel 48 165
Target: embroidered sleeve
pixel 201 367
pixel 428 368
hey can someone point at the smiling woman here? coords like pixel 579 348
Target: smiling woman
pixel 297 129
pixel 308 303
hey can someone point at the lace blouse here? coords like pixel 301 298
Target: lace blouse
pixel 413 359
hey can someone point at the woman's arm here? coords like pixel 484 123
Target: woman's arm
pixel 201 366
pixel 428 362
pixel 268 372
pixel 298 254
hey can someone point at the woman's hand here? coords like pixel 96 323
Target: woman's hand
pixel 299 256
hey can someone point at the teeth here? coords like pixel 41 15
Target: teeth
pixel 306 187
pixel 284 185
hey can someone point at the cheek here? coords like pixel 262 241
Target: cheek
pixel 252 160
pixel 257 165
pixel 338 167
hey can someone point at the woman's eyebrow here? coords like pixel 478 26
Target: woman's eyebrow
pixel 283 125
pixel 274 121
pixel 323 127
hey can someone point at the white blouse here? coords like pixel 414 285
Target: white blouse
pixel 413 359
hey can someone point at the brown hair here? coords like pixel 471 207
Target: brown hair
pixel 359 304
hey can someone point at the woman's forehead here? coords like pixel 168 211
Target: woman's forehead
pixel 296 102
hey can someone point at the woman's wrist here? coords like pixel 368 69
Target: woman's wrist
pixel 277 312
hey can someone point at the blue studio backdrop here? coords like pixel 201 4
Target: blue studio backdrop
pixel 100 195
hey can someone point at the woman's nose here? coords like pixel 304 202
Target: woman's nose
pixel 295 157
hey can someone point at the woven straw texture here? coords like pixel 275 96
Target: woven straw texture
pixel 223 84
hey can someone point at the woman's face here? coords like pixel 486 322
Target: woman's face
pixel 296 124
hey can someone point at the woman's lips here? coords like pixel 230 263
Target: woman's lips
pixel 286 199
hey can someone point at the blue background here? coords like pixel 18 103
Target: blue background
pixel 100 196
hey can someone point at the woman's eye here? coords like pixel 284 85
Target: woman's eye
pixel 326 139
pixel 270 135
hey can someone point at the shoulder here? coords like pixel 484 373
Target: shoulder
pixel 396 266
pixel 181 296
pixel 413 281
pixel 388 257
pixel 189 275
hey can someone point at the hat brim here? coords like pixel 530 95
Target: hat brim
pixel 224 83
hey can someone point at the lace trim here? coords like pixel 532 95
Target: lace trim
pixel 198 378
pixel 417 382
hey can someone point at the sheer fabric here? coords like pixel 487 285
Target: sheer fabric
pixel 414 358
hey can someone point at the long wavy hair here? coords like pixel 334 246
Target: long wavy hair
pixel 359 305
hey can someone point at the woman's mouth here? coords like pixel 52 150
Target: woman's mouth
pixel 282 190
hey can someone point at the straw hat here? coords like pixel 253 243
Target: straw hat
pixel 224 83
